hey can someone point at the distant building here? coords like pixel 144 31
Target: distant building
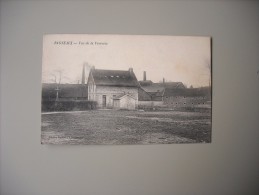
pixel 119 89
pixel 113 88
pixel 54 91
pixel 58 91
pixel 156 90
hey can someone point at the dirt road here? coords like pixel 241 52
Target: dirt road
pixel 125 127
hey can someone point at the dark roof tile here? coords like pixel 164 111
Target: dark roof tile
pixel 159 87
pixel 114 78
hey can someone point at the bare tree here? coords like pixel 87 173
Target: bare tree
pixel 57 77
pixel 208 66
pixel 87 69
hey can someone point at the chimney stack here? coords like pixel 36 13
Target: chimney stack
pixel 164 80
pixel 144 76
pixel 131 70
pixel 83 75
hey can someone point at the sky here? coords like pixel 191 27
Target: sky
pixel 176 58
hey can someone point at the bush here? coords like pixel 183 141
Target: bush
pixel 67 105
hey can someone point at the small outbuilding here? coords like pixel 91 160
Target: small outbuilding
pixel 125 101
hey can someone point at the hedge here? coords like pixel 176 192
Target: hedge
pixel 67 105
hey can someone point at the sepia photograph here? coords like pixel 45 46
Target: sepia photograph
pixel 126 89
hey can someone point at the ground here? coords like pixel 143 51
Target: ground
pixel 125 127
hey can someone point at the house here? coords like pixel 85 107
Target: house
pixel 156 90
pixel 113 88
pixel 143 95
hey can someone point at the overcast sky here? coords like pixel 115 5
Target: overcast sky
pixel 175 58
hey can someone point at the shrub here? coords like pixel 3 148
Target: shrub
pixel 67 105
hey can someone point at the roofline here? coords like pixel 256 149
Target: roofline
pixel 144 90
pixel 63 84
pixel 133 74
pixel 113 85
pixel 111 70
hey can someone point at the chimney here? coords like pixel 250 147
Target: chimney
pixel 144 76
pixel 131 70
pixel 83 75
pixel 164 80
pixel 93 67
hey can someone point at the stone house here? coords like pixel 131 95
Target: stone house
pixel 113 88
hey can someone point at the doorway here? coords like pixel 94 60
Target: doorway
pixel 104 101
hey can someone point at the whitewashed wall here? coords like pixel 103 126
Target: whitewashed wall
pixel 109 91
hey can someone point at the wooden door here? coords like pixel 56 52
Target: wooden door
pixel 104 101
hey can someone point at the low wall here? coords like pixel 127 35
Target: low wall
pixel 181 101
pixel 199 104
pixel 149 104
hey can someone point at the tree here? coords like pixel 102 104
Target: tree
pixel 208 66
pixel 57 75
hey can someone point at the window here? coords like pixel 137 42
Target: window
pixel 104 101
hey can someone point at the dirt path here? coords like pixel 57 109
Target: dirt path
pixel 125 127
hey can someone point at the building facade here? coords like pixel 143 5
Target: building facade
pixel 107 87
pixel 125 101
pixel 155 91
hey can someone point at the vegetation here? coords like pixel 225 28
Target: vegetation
pixel 67 105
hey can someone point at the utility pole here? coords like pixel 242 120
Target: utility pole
pixel 57 90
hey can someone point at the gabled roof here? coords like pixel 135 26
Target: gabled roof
pixel 145 83
pixel 175 85
pixel 143 95
pixel 159 87
pixel 114 78
pixel 156 94
pixel 155 87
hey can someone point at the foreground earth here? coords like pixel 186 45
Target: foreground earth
pixel 125 127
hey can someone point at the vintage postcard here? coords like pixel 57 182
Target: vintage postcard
pixel 126 89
